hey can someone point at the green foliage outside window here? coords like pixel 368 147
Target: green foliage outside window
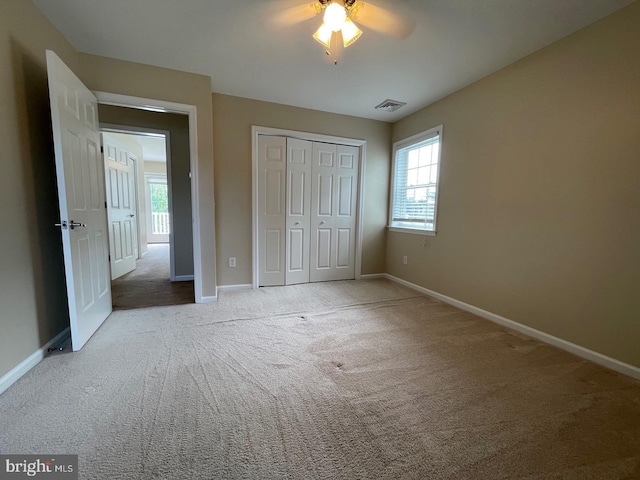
pixel 159 198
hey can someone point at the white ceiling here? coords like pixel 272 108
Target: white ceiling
pixel 153 146
pixel 237 43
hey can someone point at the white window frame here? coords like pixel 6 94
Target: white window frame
pixel 402 145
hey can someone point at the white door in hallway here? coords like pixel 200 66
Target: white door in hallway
pixel 81 194
pixel 120 165
pixel 333 216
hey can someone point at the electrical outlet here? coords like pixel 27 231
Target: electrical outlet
pixel 232 262
pixel 405 260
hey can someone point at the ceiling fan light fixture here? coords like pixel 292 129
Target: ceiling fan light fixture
pixel 350 33
pixel 335 16
pixel 323 35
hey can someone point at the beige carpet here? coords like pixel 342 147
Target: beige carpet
pixel 343 380
pixel 149 285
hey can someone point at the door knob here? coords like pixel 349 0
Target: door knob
pixel 297 223
pixel 131 216
pixel 322 222
pixel 63 224
pixel 73 225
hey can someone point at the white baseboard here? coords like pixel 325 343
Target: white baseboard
pixel 182 278
pixel 578 350
pixel 370 276
pixel 231 288
pixel 31 361
pixel 211 299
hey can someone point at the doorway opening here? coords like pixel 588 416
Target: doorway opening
pixel 141 239
pixel 189 213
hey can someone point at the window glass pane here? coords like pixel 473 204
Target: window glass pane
pixel 425 155
pixel 434 174
pixel 413 158
pixel 423 175
pixel 431 203
pixel 159 197
pixel 159 205
pixel 412 177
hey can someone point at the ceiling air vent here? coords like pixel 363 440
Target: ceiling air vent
pixel 390 105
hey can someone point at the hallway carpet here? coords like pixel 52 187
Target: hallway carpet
pixel 149 285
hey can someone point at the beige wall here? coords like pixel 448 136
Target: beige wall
pixel 233 118
pixel 178 138
pixel 159 168
pixel 126 78
pixel 539 216
pixel 33 297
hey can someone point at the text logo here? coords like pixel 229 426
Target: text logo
pixel 49 467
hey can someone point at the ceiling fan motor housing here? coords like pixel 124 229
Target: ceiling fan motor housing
pixel 347 3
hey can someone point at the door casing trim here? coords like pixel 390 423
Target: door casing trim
pixel 154 105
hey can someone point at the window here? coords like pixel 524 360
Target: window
pixel 157 208
pixel 158 194
pixel 414 194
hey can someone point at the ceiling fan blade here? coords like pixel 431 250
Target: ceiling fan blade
pixel 382 21
pixel 297 14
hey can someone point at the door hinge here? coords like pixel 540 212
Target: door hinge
pixel 109 257
pixel 101 149
pixel 105 204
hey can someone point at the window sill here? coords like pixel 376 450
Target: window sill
pixel 414 231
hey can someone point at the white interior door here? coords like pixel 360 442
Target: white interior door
pixel 272 156
pixel 333 217
pixel 120 165
pixel 83 217
pixel 298 215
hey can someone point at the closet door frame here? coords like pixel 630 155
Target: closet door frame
pixel 256 131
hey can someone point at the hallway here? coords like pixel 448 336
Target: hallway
pixel 149 285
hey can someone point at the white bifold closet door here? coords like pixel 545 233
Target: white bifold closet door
pixel 307 211
pixel 333 212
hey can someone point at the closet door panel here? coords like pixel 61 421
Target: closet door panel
pixel 346 193
pixel 271 215
pixel 298 191
pixel 323 251
pixel 343 248
pixel 323 210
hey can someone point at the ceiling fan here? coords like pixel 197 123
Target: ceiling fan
pixel 343 16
